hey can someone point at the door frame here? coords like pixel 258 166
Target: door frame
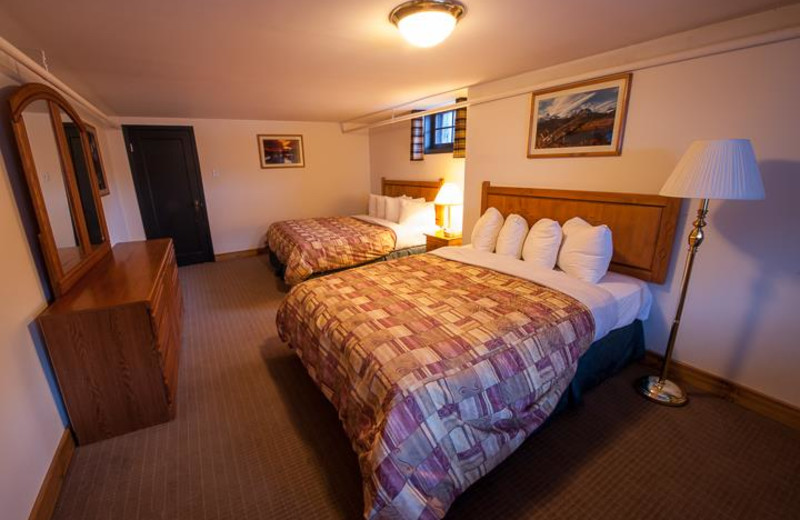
pixel 141 183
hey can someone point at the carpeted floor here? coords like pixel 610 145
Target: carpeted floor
pixel 253 438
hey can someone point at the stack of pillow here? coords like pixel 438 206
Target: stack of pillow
pixel 577 248
pixel 404 210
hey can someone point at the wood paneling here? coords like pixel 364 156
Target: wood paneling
pixel 415 189
pixel 642 226
pixel 47 498
pixel 720 387
pixel 114 339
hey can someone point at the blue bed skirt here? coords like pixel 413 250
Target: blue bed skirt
pixel 605 358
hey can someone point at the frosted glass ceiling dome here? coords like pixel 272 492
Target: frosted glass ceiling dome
pixel 425 23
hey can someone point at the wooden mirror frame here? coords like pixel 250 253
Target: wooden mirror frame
pixel 60 280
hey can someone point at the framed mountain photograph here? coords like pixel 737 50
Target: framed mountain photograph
pixel 281 151
pixel 580 119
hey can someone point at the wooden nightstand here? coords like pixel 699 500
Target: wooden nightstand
pixel 437 240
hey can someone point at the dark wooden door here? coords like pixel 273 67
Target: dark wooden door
pixel 166 174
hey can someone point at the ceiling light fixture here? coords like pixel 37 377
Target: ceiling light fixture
pixel 426 23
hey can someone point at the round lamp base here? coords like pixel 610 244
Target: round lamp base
pixel 661 391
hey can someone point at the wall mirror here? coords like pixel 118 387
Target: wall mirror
pixel 62 180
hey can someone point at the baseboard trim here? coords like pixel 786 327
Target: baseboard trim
pixel 45 503
pixel 720 387
pixel 239 254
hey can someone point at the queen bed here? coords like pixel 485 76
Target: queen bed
pixel 300 249
pixel 441 365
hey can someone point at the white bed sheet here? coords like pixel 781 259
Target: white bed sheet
pixel 616 301
pixel 633 297
pixel 407 236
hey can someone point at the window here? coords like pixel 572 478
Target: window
pixel 440 130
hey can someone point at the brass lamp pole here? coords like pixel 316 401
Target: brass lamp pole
pixel 659 388
pixel 721 169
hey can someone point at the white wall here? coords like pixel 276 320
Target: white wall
pixel 243 199
pixel 123 221
pixel 31 426
pixel 740 321
pixel 389 148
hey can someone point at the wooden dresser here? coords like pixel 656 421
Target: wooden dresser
pixel 114 340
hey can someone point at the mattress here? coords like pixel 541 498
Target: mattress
pixel 317 245
pixel 407 236
pixel 439 369
pixel 441 365
pixel 615 301
pixel 321 245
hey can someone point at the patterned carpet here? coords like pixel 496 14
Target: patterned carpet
pixel 253 438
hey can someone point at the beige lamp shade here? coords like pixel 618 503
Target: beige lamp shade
pixel 449 195
pixel 720 169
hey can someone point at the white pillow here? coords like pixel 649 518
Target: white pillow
pixel 380 207
pixel 484 234
pixel 586 251
pixel 541 246
pixel 393 208
pixel 417 215
pixel 512 235
pixel 373 204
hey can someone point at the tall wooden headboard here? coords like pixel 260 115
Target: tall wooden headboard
pixel 642 226
pixel 415 189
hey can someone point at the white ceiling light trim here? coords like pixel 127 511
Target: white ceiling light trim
pixel 425 23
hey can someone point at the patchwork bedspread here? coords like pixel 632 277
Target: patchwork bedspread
pixel 438 369
pixel 317 245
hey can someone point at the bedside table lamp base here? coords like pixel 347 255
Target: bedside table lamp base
pixel 446 229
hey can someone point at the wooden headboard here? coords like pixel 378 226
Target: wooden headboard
pixel 642 226
pixel 415 189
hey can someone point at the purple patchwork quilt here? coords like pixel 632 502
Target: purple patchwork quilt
pixel 317 245
pixel 439 370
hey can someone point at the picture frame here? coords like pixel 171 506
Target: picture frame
pixel 583 119
pixel 281 151
pixel 97 160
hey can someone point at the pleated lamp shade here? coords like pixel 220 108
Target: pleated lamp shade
pixel 721 169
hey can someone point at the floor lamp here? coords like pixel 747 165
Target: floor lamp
pixel 724 169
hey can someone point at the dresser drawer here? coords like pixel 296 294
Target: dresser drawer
pixel 167 336
pixel 165 287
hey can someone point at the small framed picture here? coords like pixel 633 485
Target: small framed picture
pixel 97 160
pixel 281 151
pixel 580 119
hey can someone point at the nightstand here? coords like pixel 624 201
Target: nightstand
pixel 437 240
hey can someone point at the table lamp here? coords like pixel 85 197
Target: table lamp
pixel 449 195
pixel 721 169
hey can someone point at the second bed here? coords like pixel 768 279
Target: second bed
pixel 300 249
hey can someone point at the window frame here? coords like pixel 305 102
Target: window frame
pixel 430 127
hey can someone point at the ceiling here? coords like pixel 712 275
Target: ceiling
pixel 317 60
